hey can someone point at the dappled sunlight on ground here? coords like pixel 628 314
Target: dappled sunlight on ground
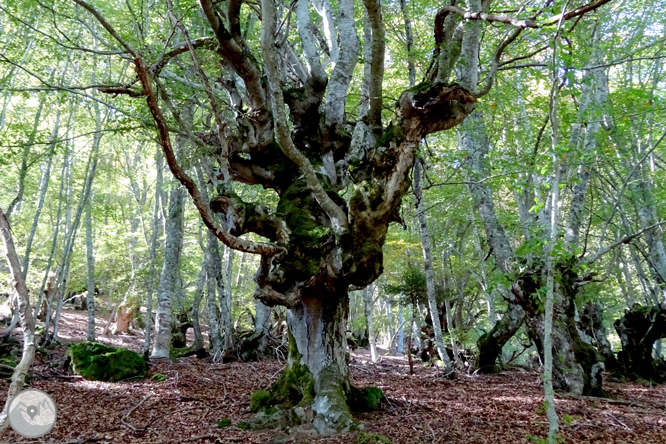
pixel 420 408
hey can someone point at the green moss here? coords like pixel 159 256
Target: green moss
pixel 260 399
pixel 9 356
pixel 296 384
pixel 423 86
pixel 303 217
pixel 222 423
pixel 387 137
pixel 367 399
pixel 489 349
pixel 371 438
pixel 243 426
pixel 177 352
pixel 97 362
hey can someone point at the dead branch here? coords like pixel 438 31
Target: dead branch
pixel 129 412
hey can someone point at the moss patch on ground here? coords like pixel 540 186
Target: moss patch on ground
pixel 98 362
pixel 371 438
pixel 367 399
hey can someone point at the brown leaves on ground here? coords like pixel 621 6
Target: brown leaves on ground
pixel 423 408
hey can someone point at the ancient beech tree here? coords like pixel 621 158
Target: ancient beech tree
pixel 277 113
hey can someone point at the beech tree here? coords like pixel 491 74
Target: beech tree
pixel 279 106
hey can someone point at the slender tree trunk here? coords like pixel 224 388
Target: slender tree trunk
pixel 262 325
pixel 389 321
pixel 61 283
pixel 153 249
pixel 409 40
pixel 401 331
pixel 43 187
pixel 213 277
pixel 367 302
pixel 241 264
pixel 24 159
pixel 25 313
pixel 56 230
pixel 429 274
pixel 167 286
pixel 212 263
pixel 90 298
pixel 553 420
pixel 226 302
pixel 44 183
pixel 196 304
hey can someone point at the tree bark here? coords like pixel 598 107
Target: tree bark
pixel 318 328
pixel 262 325
pixel 167 286
pixel 367 304
pixel 91 169
pixel 43 187
pixel 212 259
pixel 90 298
pixel 25 313
pixel 638 330
pixel 226 302
pixel 196 304
pixel 429 274
pixel 56 231
pixel 491 343
pixel 159 165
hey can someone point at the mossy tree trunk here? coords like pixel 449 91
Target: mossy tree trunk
pixel 591 321
pixel 318 329
pixel 491 343
pixel 638 329
pixel 577 365
pixel 315 385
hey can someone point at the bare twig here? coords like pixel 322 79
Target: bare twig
pixel 129 412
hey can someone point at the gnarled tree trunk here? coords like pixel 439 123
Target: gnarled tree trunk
pixel 490 344
pixel 591 320
pixel 318 327
pixel 638 329
pixel 577 366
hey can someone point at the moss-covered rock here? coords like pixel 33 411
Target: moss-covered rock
pixel 98 362
pixel 273 418
pixel 371 438
pixel 367 399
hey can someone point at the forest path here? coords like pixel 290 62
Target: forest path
pixel 422 408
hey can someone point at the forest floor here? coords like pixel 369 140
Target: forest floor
pixel 421 408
